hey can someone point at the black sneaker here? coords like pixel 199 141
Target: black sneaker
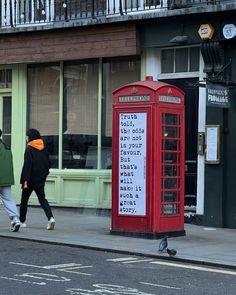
pixel 15 227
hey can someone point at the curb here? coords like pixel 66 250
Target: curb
pixel 126 252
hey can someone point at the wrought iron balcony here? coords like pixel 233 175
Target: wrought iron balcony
pixel 15 13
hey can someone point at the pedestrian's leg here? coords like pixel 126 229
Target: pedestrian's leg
pixel 45 205
pixel 10 207
pixel 24 202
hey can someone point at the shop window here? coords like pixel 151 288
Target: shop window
pixel 6 120
pixel 180 60
pixel 43 105
pixel 115 74
pixel 5 78
pixel 79 133
pixel 80 116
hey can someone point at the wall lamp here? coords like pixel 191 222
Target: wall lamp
pixel 179 39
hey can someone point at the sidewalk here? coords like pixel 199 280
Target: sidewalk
pixel 213 246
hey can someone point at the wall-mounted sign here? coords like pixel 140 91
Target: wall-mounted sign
pixel 206 31
pixel 229 31
pixel 217 96
pixel 212 144
pixel 132 163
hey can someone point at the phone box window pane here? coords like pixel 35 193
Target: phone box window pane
pixel 181 60
pixel 167 61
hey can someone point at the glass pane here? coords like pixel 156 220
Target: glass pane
pixel 170 132
pixel 170 119
pixel 181 60
pixel 167 61
pixel 170 183
pixel 171 158
pixel 170 145
pixel 115 74
pixel 170 170
pixel 6 128
pixel 6 78
pixel 43 105
pixel 194 59
pixel 169 209
pixel 169 196
pixel 80 116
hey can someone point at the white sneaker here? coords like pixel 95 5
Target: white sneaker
pixel 15 226
pixel 51 223
pixel 23 224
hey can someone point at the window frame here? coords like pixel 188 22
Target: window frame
pixel 176 75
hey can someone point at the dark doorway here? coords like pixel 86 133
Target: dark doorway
pixel 191 129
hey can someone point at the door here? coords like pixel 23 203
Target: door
pixel 191 129
pixel 6 118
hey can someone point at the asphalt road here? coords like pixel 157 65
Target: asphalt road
pixel 29 268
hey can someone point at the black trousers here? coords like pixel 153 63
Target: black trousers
pixel 42 200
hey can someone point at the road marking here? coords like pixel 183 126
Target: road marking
pixel 24 281
pixel 68 267
pixel 72 270
pixel 23 264
pixel 128 260
pixel 108 289
pixel 61 265
pixel 135 261
pixel 228 272
pixel 47 266
pixel 161 286
pixel 121 259
pixel 44 276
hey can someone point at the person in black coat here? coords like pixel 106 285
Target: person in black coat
pixel 33 176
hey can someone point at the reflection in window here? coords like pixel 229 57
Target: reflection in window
pixel 170 119
pixel 170 145
pixel 6 120
pixel 6 78
pixel 43 106
pixel 115 74
pixel 80 116
pixel 170 170
pixel 170 196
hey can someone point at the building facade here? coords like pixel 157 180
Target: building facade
pixel 60 63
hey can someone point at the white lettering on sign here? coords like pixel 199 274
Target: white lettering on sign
pixel 134 98
pixel 170 99
pixel 132 163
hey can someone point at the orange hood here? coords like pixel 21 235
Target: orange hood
pixel 37 144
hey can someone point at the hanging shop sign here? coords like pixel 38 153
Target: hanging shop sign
pixel 206 31
pixel 229 31
pixel 217 96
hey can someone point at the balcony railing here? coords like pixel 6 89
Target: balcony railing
pixel 15 13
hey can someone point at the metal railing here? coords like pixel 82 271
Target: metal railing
pixel 33 12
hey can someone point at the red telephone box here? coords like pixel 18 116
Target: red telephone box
pixel 148 160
